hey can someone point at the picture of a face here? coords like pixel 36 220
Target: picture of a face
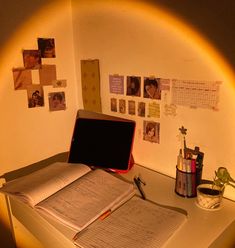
pixel 151 131
pixel 151 88
pixel 133 86
pixel 57 101
pixel 32 59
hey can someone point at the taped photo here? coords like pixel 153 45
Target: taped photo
pixel 152 88
pixel 32 59
pixel 35 96
pixel 46 46
pixel 133 86
pixel 57 101
pixel 151 131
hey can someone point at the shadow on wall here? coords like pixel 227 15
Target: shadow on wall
pixel 11 18
pixel 206 16
pixel 6 237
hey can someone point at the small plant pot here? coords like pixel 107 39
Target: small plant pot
pixel 209 196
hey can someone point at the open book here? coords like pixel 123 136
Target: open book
pixel 72 193
pixel 79 198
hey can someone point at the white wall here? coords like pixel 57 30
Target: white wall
pixel 29 135
pixel 137 39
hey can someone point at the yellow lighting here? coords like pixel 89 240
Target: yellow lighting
pixel 153 13
pixel 50 16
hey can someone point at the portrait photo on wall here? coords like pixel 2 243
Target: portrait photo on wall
pixel 57 101
pixel 32 59
pixel 35 96
pixel 46 46
pixel 152 88
pixel 133 86
pixel 151 131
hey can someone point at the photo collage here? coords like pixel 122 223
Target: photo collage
pixel 35 74
pixel 142 98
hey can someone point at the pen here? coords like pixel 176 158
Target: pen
pixel 137 182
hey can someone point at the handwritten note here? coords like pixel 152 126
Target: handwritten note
pixel 138 223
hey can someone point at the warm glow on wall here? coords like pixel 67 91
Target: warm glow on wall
pixel 51 14
pixel 55 17
pixel 49 17
pixel 180 28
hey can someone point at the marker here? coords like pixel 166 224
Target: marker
pixel 193 165
pixel 180 161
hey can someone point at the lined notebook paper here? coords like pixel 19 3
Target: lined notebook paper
pixel 137 223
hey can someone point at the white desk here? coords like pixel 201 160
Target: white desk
pixel 201 229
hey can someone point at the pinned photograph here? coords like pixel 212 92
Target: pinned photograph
pixel 122 106
pixel 46 47
pixel 113 104
pixel 141 109
pixel 57 101
pixel 133 86
pixel 32 59
pixel 152 88
pixel 131 107
pixel 35 96
pixel 22 78
pixel 151 131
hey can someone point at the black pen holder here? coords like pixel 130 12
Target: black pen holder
pixel 186 182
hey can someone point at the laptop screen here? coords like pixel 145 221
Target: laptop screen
pixel 102 141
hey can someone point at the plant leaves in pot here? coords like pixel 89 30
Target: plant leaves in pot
pixel 209 195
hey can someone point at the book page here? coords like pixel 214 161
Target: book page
pixel 137 223
pixel 40 184
pixel 83 201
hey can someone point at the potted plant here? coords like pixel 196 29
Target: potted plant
pixel 209 195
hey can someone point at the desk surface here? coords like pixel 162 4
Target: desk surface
pixel 200 230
